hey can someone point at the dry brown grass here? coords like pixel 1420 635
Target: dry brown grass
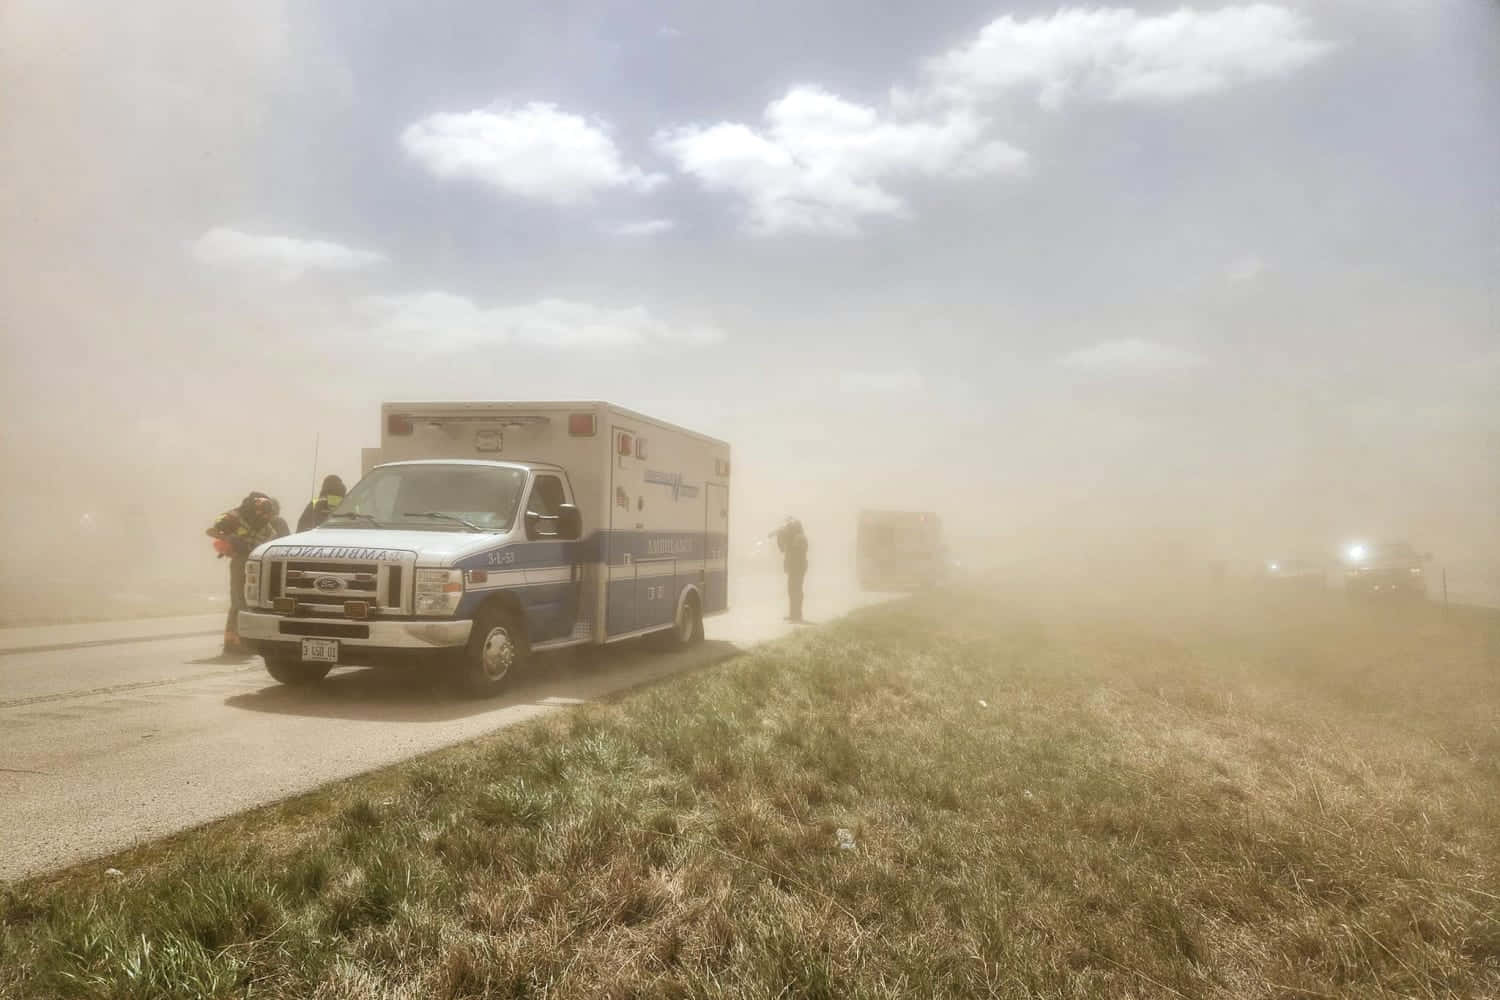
pixel 1188 797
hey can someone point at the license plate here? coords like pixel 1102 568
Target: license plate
pixel 320 650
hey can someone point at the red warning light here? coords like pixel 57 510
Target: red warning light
pixel 627 445
pixel 581 424
pixel 398 425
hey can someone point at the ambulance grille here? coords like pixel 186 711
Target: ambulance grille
pixel 321 588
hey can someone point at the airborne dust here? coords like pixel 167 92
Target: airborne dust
pixel 1251 324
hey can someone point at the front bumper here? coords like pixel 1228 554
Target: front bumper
pixel 1387 583
pixel 262 627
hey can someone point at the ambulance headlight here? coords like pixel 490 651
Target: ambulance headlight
pixel 439 591
pixel 252 582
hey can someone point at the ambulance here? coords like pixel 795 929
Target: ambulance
pixel 899 550
pixel 484 532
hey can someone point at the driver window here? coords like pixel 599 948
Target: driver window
pixel 546 500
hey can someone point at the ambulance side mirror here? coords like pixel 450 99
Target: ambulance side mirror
pixel 569 523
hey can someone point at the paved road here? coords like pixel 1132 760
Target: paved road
pixel 105 745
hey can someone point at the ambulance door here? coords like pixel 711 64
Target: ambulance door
pixel 658 521
pixel 626 528
pixel 553 574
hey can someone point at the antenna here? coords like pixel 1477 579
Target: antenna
pixel 317 438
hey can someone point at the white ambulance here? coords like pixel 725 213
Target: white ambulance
pixel 482 532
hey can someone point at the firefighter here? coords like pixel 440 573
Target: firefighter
pixel 329 497
pixel 792 541
pixel 236 533
pixel 279 527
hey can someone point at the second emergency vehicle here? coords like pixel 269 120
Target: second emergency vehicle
pixel 899 550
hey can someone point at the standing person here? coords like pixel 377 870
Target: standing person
pixel 792 541
pixel 236 533
pixel 329 497
pixel 279 527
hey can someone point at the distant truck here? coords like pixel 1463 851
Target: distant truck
pixel 1385 569
pixel 1296 574
pixel 486 531
pixel 899 550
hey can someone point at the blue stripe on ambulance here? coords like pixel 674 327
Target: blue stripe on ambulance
pixel 639 600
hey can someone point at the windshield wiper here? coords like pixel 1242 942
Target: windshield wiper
pixel 441 515
pixel 354 514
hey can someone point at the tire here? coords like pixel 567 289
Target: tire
pixel 497 648
pixel 290 670
pixel 687 630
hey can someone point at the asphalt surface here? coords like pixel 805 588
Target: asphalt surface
pixel 109 737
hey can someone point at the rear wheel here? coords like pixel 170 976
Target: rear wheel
pixel 687 629
pixel 290 670
pixel 496 648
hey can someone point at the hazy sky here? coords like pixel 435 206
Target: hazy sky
pixel 1223 274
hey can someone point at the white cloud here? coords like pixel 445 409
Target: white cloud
pixel 1131 356
pixel 1246 269
pixel 644 227
pixel 443 321
pixel 1119 54
pixel 820 164
pixel 535 151
pixel 881 382
pixel 283 257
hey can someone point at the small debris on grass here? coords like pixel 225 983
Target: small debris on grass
pixel 1026 794
pixel 983 703
pixel 845 838
pixel 114 873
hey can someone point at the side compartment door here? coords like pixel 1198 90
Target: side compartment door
pixel 655 592
pixel 716 548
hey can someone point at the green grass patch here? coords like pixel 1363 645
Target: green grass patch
pixel 1046 800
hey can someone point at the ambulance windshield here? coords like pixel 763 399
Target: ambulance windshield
pixel 434 497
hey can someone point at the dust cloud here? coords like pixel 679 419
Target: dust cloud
pixel 1041 362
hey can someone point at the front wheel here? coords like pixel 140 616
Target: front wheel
pixel 496 648
pixel 290 670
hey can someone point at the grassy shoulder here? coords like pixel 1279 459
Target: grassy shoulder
pixel 1044 802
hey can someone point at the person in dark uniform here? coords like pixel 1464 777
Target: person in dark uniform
pixel 236 533
pixel 329 497
pixel 792 541
pixel 279 527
